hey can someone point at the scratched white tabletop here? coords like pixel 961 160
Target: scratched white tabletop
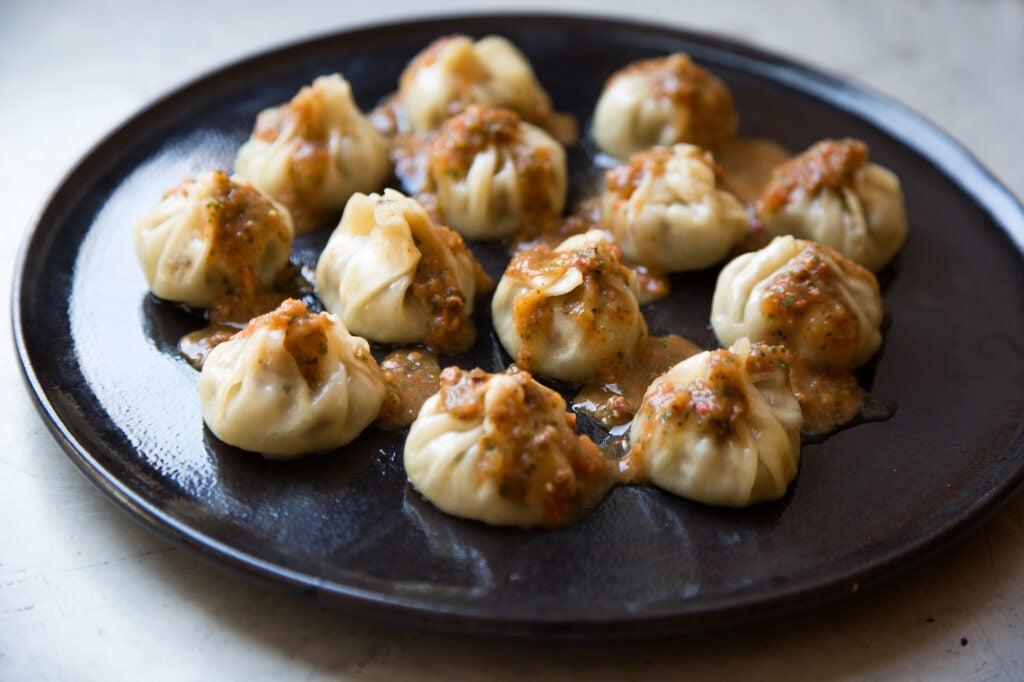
pixel 85 593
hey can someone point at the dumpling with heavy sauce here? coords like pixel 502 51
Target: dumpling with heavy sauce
pixel 494 173
pixel 721 427
pixel 394 276
pixel 215 243
pixel 662 102
pixel 314 152
pixel 569 313
pixel 831 194
pixel 668 211
pixel 454 72
pixel 502 449
pixel 290 383
pixel 823 307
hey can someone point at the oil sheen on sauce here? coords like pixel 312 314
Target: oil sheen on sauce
pixel 612 399
pixel 412 375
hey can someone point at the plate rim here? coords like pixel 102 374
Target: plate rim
pixel 909 127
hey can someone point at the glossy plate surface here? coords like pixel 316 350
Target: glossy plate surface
pixel 346 528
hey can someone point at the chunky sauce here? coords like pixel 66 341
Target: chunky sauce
pixel 242 226
pixel 435 286
pixel 412 376
pixel 309 155
pixel 809 316
pixel 612 399
pixel 828 164
pixel 829 397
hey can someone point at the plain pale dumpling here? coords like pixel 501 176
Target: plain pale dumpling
pixel 394 276
pixel 214 242
pixel 662 102
pixel 667 211
pixel 721 427
pixel 570 313
pixel 494 173
pixel 502 449
pixel 821 306
pixel 831 194
pixel 314 152
pixel 454 72
pixel 290 383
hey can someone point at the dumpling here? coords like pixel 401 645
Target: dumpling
pixel 314 152
pixel 667 211
pixel 454 72
pixel 820 305
pixel 721 427
pixel 290 383
pixel 832 195
pixel 215 243
pixel 662 102
pixel 501 448
pixel 570 313
pixel 494 173
pixel 394 276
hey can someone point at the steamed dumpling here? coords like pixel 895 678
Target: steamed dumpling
pixel 569 313
pixel 662 102
pixel 314 152
pixel 667 211
pixel 832 195
pixel 721 427
pixel 820 305
pixel 394 276
pixel 494 173
pixel 290 383
pixel 215 243
pixel 454 72
pixel 501 448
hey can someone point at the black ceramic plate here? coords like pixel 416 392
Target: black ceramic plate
pixel 346 528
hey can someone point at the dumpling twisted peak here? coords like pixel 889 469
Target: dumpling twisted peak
pixel 314 152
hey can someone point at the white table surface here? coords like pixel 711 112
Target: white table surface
pixel 85 593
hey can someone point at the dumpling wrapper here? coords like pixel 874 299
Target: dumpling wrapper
pixel 493 173
pixel 570 313
pixel 314 152
pixel 395 277
pixel 820 305
pixel 667 212
pixel 211 238
pixel 292 382
pixel 660 102
pixel 502 449
pixel 454 72
pixel 721 427
pixel 831 194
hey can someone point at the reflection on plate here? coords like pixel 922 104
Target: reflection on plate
pixel 347 530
